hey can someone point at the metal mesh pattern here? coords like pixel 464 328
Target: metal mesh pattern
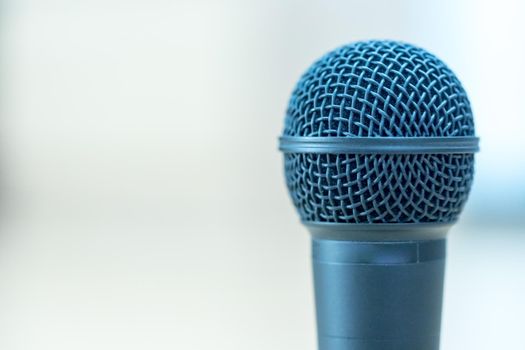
pixel 385 188
pixel 379 89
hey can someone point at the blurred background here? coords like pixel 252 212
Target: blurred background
pixel 143 203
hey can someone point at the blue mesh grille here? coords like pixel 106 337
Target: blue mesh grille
pixel 379 188
pixel 379 89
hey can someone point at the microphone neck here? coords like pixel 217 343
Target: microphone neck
pixel 378 232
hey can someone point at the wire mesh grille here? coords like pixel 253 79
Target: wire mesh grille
pixel 386 188
pixel 379 89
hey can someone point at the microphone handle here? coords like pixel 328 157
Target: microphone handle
pixel 378 295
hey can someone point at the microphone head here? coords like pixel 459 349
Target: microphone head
pixel 379 132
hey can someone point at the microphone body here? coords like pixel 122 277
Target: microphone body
pixel 378 295
pixel 379 159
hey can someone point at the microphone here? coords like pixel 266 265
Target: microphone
pixel 379 147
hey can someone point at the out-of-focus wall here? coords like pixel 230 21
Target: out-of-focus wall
pixel 125 85
pixel 142 191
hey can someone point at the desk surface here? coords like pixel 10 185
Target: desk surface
pixel 121 286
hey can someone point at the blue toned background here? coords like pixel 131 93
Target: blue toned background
pixel 143 198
